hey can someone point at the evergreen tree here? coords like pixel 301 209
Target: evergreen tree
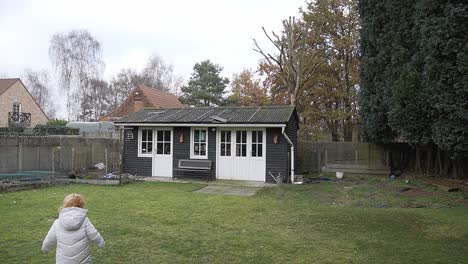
pixel 206 86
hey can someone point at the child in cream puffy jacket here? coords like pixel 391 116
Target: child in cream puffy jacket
pixel 71 233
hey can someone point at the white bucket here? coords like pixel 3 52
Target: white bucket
pixel 339 174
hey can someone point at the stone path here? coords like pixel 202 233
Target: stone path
pixel 229 190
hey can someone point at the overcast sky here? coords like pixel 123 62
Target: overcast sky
pixel 181 32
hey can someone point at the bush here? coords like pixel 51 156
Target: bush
pixel 11 130
pixel 44 130
pixel 57 122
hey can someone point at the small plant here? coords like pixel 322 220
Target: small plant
pixel 57 122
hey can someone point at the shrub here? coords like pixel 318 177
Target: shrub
pixel 57 122
pixel 11 130
pixel 44 130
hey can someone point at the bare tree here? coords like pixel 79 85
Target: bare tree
pixel 76 57
pixel 158 74
pixel 122 84
pixel 38 84
pixel 96 101
pixel 297 60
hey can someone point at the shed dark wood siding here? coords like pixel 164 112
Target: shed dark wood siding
pixel 131 162
pixel 182 151
pixel 276 154
pixel 291 131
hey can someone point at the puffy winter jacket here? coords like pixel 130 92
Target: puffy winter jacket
pixel 71 232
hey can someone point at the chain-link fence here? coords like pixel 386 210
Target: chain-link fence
pixel 55 159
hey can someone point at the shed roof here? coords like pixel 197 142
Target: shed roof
pixel 209 115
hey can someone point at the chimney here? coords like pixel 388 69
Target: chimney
pixel 137 102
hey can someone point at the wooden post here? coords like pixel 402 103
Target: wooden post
pixel 73 159
pixel 319 158
pixel 105 154
pixel 20 153
pixel 38 154
pixel 356 156
pixel 53 164
pixel 326 156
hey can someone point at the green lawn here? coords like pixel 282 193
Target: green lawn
pixel 371 222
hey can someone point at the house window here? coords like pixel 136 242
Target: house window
pixel 146 143
pixel 241 143
pixel 225 143
pixel 16 107
pixel 163 142
pixel 199 143
pixel 257 143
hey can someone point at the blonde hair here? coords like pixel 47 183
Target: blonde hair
pixel 74 200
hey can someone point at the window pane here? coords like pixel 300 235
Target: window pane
pixel 244 136
pixel 238 148
pixel 196 149
pixel 260 137
pixel 244 150
pixel 167 148
pixel 143 147
pixel 203 149
pixel 159 148
pixel 160 136
pixel 254 136
pixel 223 136
pixel 238 136
pixel 260 150
pixel 150 147
pixel 202 135
pixel 228 149
pixel 254 150
pixel 228 136
pixel 167 136
pixel 150 135
pixel 144 135
pixel 223 149
pixel 196 136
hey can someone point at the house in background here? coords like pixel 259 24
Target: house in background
pixel 143 97
pixel 17 106
pixel 240 143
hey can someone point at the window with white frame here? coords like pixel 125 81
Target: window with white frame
pixel 199 143
pixel 146 143
pixel 241 143
pixel 257 143
pixel 225 143
pixel 163 142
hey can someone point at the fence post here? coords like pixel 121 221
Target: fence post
pixel 356 156
pixel 105 154
pixel 38 155
pixel 326 155
pixel 319 159
pixel 53 164
pixel 20 153
pixel 73 159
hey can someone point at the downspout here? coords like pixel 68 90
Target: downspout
pixel 292 152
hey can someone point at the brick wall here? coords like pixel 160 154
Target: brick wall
pixel 18 93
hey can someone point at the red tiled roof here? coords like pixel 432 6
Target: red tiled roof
pixel 6 83
pixel 151 97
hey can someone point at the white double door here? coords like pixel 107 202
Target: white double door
pixel 162 152
pixel 241 154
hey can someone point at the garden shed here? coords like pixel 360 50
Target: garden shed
pixel 234 143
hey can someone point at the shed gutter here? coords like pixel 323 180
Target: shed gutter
pixel 197 125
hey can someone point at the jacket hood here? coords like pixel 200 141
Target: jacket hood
pixel 71 218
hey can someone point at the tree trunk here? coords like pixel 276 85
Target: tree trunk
pixel 348 130
pixel 418 161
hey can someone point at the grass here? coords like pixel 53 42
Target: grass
pixel 371 222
